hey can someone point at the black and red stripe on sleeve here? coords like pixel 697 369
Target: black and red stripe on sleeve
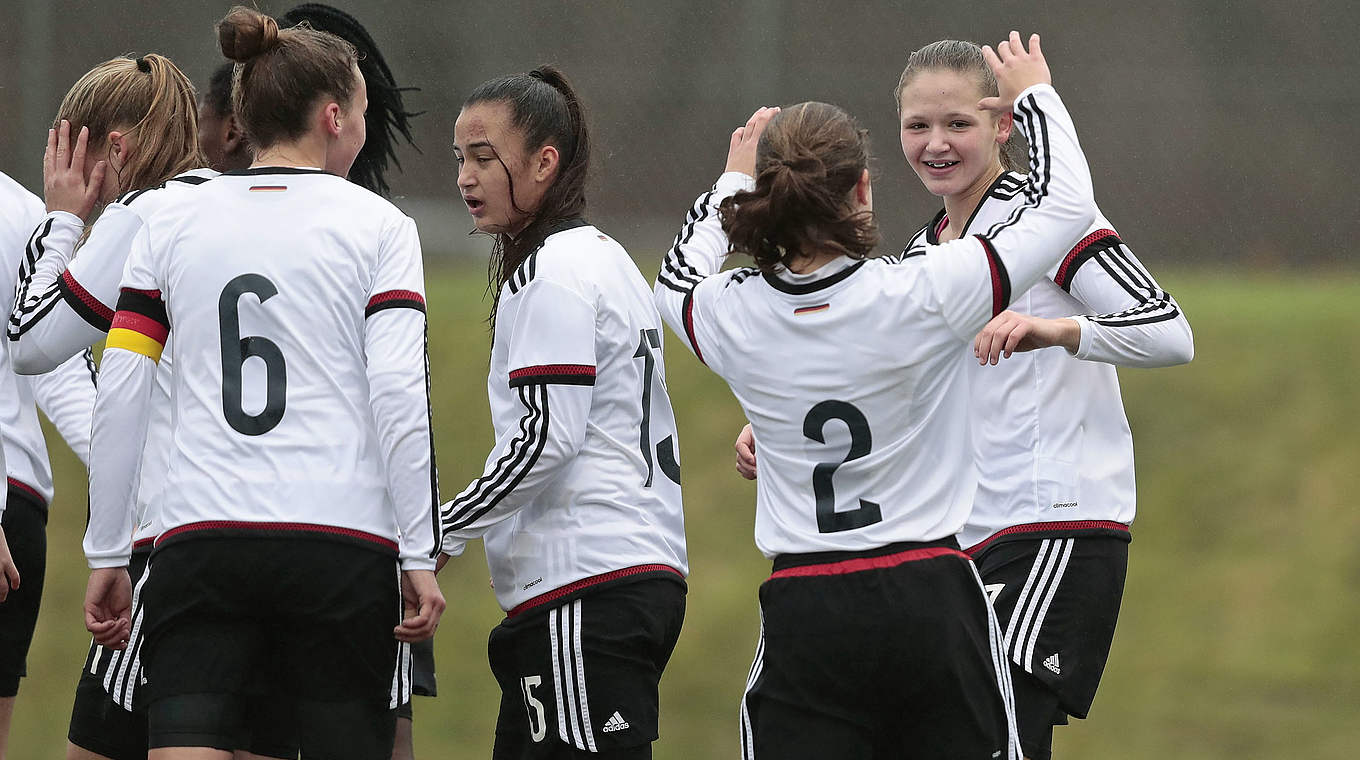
pixel 1082 252
pixel 553 374
pixel 83 303
pixel 1001 279
pixel 395 299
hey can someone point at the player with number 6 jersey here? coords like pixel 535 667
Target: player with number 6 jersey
pixel 301 474
pixel 579 502
pixel 877 638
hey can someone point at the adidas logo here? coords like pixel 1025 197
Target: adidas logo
pixel 615 723
pixel 1051 663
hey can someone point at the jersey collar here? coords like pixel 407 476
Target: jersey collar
pixel 827 275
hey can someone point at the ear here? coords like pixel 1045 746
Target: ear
pixel 1004 124
pixel 233 134
pixel 864 191
pixel 332 118
pixel 121 149
pixel 547 162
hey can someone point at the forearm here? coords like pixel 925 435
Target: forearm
pixel 118 436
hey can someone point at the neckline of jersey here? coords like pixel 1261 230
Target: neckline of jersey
pixel 258 170
pixel 822 282
pixel 933 237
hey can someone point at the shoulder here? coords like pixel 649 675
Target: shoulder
pixel 148 200
pixel 1009 186
pixel 579 258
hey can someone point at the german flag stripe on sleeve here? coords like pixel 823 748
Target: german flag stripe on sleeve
pixel 554 374
pixel 395 299
pixel 140 324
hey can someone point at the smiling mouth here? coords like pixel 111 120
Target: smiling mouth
pixel 940 164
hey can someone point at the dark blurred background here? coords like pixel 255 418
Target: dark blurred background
pixel 1220 133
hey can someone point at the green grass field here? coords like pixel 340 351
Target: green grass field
pixel 1241 618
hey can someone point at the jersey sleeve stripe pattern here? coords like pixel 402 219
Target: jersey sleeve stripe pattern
pixel 141 325
pixel 29 311
pixel 682 277
pixel 553 374
pixel 1029 114
pixel 1080 254
pixel 395 299
pixel 83 303
pixel 689 327
pixel 1001 280
pixel 434 470
pixel 483 495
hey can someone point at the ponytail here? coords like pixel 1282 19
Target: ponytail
pixel 808 161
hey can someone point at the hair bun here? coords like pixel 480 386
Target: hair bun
pixel 246 33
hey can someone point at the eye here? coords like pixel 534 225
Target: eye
pixel 915 126
pixel 960 124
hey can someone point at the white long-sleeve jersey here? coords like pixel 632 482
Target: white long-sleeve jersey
pixel 851 376
pixel 66 302
pixel 583 484
pixel 300 398
pixel 1052 444
pixel 65 394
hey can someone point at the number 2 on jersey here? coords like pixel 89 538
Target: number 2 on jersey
pixel 861 442
pixel 665 450
pixel 235 351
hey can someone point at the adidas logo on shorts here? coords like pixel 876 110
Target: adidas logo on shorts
pixel 1052 664
pixel 615 723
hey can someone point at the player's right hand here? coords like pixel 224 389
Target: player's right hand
pixel 741 151
pixel 1016 69
pixel 746 453
pixel 9 572
pixel 422 605
pixel 108 606
pixel 65 187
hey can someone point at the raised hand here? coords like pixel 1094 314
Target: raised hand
pixel 1015 69
pixel 741 152
pixel 65 187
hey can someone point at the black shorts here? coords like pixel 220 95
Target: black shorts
pixel 421 676
pixel 582 677
pixel 230 622
pixel 1057 600
pixel 25 524
pixel 887 653
pixel 109 713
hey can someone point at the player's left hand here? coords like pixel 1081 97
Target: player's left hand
pixel 741 151
pixel 65 187
pixel 422 605
pixel 9 572
pixel 1011 331
pixel 746 453
pixel 108 606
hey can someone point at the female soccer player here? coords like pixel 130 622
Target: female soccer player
pixel 579 505
pixel 313 462
pixel 66 395
pixel 877 637
pixel 1030 534
pixel 1049 529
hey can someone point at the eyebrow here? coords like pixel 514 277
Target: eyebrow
pixel 477 144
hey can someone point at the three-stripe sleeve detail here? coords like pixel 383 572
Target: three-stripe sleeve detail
pixel 434 470
pixel 395 299
pixel 675 273
pixel 1105 249
pixel 518 460
pixel 569 677
pixel 1027 112
pixel 28 311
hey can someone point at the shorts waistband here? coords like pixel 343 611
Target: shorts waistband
pixel 842 562
pixel 27 491
pixel 242 529
pixel 575 588
pixel 1033 531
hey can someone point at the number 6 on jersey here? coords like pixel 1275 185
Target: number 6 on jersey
pixel 235 351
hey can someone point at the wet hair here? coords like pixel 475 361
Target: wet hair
pixel 387 114
pixel 544 110
pixel 808 160
pixel 963 58
pixel 280 75
pixel 147 98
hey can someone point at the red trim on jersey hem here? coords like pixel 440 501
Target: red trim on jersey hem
pixel 860 564
pixel 585 583
pixel 27 489
pixel 1044 527
pixel 95 306
pixel 277 527
pixel 1077 249
pixel 143 543
pixel 142 324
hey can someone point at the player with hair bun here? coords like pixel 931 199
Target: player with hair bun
pixel 579 503
pixel 313 462
pixel 877 637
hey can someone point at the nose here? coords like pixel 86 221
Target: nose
pixel 465 178
pixel 939 142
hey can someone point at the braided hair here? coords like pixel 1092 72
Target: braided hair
pixel 387 115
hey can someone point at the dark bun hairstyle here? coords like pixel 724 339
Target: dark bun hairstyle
pixel 280 75
pixel 808 160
